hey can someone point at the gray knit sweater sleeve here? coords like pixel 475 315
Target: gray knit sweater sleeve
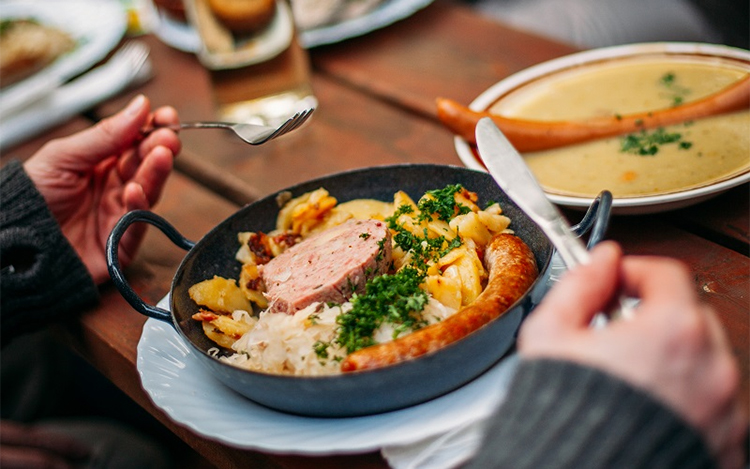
pixel 563 415
pixel 42 277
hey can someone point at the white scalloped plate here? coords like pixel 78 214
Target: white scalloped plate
pixel 620 205
pixel 178 384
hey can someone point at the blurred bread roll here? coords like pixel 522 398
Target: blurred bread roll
pixel 243 16
pixel 27 47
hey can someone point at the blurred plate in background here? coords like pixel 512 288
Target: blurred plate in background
pixel 387 13
pixel 182 36
pixel 96 25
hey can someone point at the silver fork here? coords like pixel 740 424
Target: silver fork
pixel 135 53
pixel 253 134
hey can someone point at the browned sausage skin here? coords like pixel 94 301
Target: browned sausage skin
pixel 530 135
pixel 512 269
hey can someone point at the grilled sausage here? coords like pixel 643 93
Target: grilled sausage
pixel 530 135
pixel 512 269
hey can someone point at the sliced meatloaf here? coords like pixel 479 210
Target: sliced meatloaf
pixel 327 267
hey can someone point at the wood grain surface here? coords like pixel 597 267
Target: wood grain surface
pixel 376 96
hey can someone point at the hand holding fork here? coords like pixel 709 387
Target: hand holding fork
pixel 253 134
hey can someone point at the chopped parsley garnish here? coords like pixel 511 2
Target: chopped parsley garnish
pixel 321 348
pixel 397 299
pixel 381 249
pixel 685 145
pixel 647 143
pixel 402 210
pixel 424 249
pixel 667 79
pixel 7 24
pixel 675 92
pixel 390 298
pixel 442 203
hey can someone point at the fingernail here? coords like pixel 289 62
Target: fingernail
pixel 135 105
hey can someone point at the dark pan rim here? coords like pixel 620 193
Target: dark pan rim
pixel 301 188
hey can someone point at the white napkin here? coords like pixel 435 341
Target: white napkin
pixel 70 99
pixel 458 445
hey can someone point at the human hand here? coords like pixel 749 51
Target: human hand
pixel 674 347
pixel 27 447
pixel 92 178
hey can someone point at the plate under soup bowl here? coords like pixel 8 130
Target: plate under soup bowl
pixel 650 171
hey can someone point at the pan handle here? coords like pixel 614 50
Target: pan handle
pixel 594 222
pixel 113 261
pixel 596 219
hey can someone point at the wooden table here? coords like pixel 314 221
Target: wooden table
pixel 376 97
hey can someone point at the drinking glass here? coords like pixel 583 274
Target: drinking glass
pixel 259 71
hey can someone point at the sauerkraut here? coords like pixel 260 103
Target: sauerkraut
pixel 303 343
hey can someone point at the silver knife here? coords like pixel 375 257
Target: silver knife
pixel 512 174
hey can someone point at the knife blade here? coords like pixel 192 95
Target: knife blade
pixel 510 171
pixel 512 174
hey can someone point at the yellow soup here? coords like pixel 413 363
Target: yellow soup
pixel 671 159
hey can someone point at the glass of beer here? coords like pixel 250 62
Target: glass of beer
pixel 259 72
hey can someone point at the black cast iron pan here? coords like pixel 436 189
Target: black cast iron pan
pixel 364 392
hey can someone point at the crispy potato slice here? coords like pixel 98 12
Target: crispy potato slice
pixel 252 285
pixel 219 294
pixel 223 329
pixel 468 267
pixel 217 336
pixel 300 215
pixel 494 220
pixel 470 225
pixel 445 288
pixel 366 209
